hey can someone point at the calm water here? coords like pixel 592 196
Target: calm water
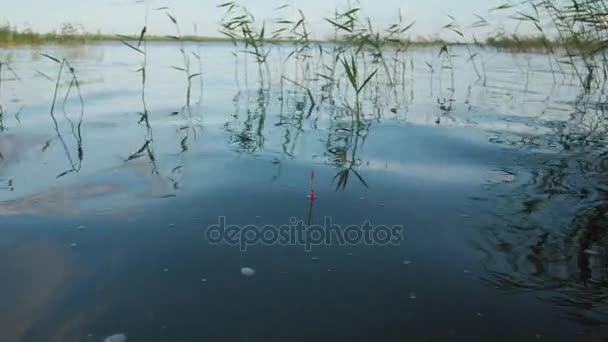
pixel 499 185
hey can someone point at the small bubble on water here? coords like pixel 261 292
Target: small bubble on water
pixel 413 295
pixel 171 225
pixel 316 259
pixel 81 227
pixel 407 262
pixel 203 280
pixel 247 272
pixel 166 270
pixel 73 245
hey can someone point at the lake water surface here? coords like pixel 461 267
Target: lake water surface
pixel 498 184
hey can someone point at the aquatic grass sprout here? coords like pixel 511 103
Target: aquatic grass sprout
pixel 6 69
pixel 147 148
pixel 185 68
pixel 239 25
pixel 577 27
pixel 76 129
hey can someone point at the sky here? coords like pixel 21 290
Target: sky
pixel 127 17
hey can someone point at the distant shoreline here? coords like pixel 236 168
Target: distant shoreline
pixel 10 37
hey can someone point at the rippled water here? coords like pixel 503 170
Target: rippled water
pixel 499 183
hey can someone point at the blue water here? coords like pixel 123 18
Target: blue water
pixel 500 239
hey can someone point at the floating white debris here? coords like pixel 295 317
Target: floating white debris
pixel 81 227
pixel 407 262
pixel 316 259
pixel 382 204
pixel 362 198
pixel 591 252
pixel 166 270
pixel 247 272
pixel 171 225
pixel 466 271
pixel 116 338
pixel 413 295
pixel 73 245
pixel 203 280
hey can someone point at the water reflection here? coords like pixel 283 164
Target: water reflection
pixel 561 257
pixel 343 143
pixel 58 201
pixel 247 129
pixel 264 120
pixel 74 158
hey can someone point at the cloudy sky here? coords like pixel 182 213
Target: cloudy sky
pixel 126 16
